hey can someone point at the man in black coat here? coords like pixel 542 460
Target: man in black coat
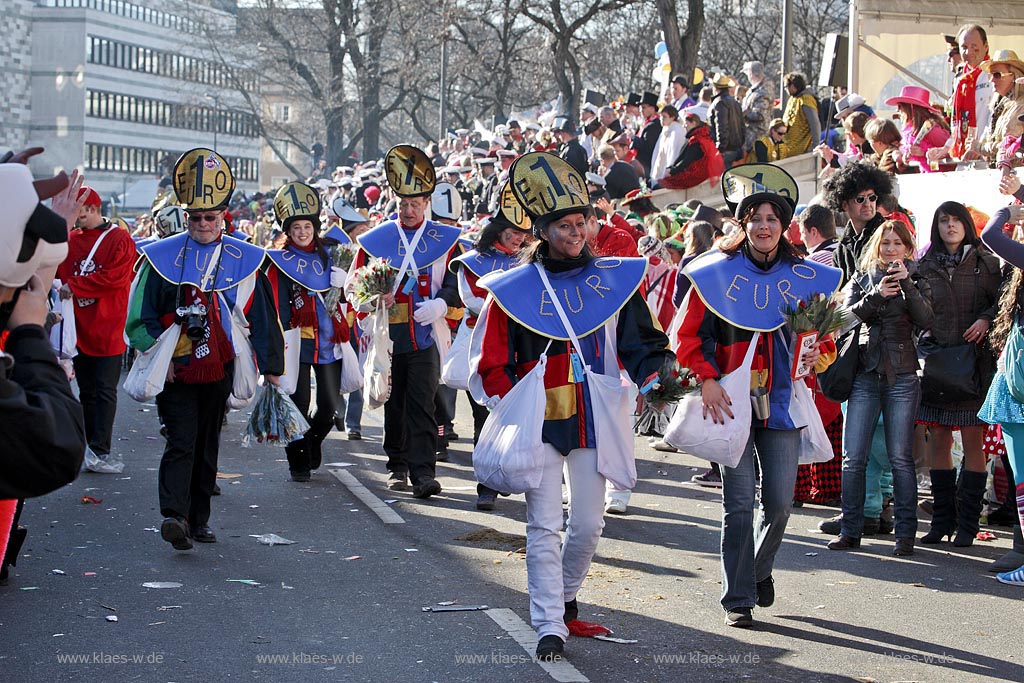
pixel 619 177
pixel 570 148
pixel 650 131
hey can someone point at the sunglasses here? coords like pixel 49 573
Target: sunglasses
pixel 203 217
pixel 860 199
pixel 1000 74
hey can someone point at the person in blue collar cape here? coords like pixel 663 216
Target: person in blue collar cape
pixel 419 251
pixel 203 280
pixel 300 276
pixel 497 248
pixel 737 291
pixel 520 323
pixel 344 224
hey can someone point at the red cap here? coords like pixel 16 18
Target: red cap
pixel 372 194
pixel 92 197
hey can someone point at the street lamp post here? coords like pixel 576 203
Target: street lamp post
pixel 444 85
pixel 216 115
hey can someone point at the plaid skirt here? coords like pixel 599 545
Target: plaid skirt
pixel 821 482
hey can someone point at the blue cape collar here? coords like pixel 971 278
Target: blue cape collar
pixel 182 260
pixel 384 242
pixel 485 262
pixel 305 268
pixel 751 298
pixel 590 296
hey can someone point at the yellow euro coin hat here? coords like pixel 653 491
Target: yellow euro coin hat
pixel 121 223
pixel 409 171
pixel 296 200
pixel 203 180
pixel 751 184
pixel 547 187
pixel 511 210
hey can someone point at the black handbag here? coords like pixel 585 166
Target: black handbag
pixel 950 374
pixel 837 381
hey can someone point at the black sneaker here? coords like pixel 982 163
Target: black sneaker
pixel 204 534
pixel 739 617
pixel 550 649
pixel 301 476
pixel 426 488
pixel 175 532
pixel 766 592
pixel 710 479
pixel 354 435
pixel 398 481
pixel 485 501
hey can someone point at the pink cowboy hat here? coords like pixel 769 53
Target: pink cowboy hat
pixel 912 94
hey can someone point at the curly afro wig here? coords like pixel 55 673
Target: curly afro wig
pixel 854 178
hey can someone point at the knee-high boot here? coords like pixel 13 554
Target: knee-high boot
pixel 969 494
pixel 944 511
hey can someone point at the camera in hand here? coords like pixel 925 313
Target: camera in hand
pixel 193 319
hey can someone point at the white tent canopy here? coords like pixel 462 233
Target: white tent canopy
pixel 909 33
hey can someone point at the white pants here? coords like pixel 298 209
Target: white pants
pixel 554 576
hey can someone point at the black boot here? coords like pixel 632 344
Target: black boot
pixel 298 459
pixel 969 494
pixel 1012 559
pixel 944 509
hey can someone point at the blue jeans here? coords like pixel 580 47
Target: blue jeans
pixel 749 547
pixel 898 403
pixel 878 476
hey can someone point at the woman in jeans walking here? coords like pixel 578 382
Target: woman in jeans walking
pixel 892 304
pixel 738 294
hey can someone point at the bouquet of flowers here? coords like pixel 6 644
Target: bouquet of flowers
pixel 810 321
pixel 670 384
pixel 342 258
pixel 275 419
pixel 376 278
pixel 821 313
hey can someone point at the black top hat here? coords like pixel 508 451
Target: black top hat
pixel 649 98
pixel 593 97
pixel 681 80
pixel 633 99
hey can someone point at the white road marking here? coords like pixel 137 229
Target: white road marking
pixel 378 506
pixel 561 671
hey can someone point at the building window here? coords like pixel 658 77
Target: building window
pixel 282 113
pixel 147 161
pixel 159 63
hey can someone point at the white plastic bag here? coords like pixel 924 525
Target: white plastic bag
pixel 63 335
pixel 814 442
pixel 149 371
pixel 292 347
pixel 351 370
pixel 508 455
pixel 106 464
pixel 246 378
pixel 377 370
pixel 722 443
pixel 455 371
pixel 612 406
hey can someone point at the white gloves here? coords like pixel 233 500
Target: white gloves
pixel 337 277
pixel 430 310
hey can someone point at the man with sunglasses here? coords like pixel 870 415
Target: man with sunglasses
pixel 856 189
pixel 205 281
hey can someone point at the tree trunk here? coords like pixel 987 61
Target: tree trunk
pixel 370 91
pixel 682 46
pixel 560 68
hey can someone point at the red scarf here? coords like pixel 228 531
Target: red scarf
pixel 964 103
pixel 209 354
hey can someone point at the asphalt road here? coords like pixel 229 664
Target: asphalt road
pixel 345 601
